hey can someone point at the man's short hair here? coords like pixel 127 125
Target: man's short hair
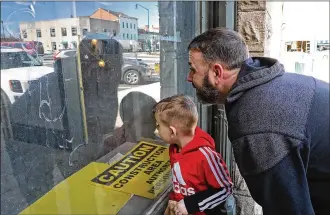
pixel 223 45
pixel 179 110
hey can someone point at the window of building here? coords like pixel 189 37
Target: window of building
pixel 127 36
pixel 123 36
pixel 126 25
pixel 131 36
pixel 123 24
pixel 134 26
pixel 85 30
pixel 74 31
pixel 52 32
pixel 114 32
pixel 24 34
pixel 131 25
pixel 298 46
pixel 322 45
pixel 64 33
pixel 38 32
pixel 54 46
pixel 105 30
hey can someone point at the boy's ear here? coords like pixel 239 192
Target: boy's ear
pixel 173 131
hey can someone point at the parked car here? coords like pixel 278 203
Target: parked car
pixel 18 68
pixel 33 48
pixel 135 72
pixel 48 52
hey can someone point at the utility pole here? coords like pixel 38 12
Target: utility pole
pixel 136 7
pixel 74 14
pixel 3 30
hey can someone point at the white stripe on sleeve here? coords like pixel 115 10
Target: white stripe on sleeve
pixel 218 194
pixel 215 202
pixel 211 166
pixel 218 166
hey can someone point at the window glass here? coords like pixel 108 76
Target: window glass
pixel 74 31
pixel 304 44
pixel 64 33
pixel 24 34
pixel 18 45
pixel 85 100
pixel 38 31
pixel 52 32
pixel 84 31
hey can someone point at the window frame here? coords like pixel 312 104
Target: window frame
pixel 66 31
pixel 50 32
pixel 24 33
pixel 76 31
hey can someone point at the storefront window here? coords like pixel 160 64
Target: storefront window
pixel 64 121
pixel 304 44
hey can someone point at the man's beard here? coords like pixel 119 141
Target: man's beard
pixel 208 94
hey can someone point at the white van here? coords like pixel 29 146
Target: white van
pixel 18 68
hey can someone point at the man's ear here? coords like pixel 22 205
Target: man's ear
pixel 173 131
pixel 217 73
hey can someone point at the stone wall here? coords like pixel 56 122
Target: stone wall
pixel 251 22
pixel 259 22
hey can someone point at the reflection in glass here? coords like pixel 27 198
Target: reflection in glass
pixel 80 87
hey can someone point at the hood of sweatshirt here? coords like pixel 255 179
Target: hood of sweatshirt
pixel 201 139
pixel 254 72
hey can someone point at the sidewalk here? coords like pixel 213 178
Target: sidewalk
pixel 144 54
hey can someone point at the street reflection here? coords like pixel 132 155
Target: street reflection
pixel 73 89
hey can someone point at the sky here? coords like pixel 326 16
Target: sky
pixel 14 12
pixel 301 18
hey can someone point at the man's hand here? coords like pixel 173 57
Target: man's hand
pixel 170 207
pixel 180 208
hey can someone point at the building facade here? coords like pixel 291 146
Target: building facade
pixel 110 28
pixel 149 41
pixel 66 33
pixel 128 26
pixel 56 34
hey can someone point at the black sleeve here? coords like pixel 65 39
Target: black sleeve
pixel 206 200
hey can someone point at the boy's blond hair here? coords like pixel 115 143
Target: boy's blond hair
pixel 179 110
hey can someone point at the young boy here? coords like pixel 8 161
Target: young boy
pixel 201 182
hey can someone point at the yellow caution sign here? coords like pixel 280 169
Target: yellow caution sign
pixel 143 171
pixel 76 195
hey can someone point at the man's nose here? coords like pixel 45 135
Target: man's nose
pixel 189 78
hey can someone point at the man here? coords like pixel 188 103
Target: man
pixel 278 122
